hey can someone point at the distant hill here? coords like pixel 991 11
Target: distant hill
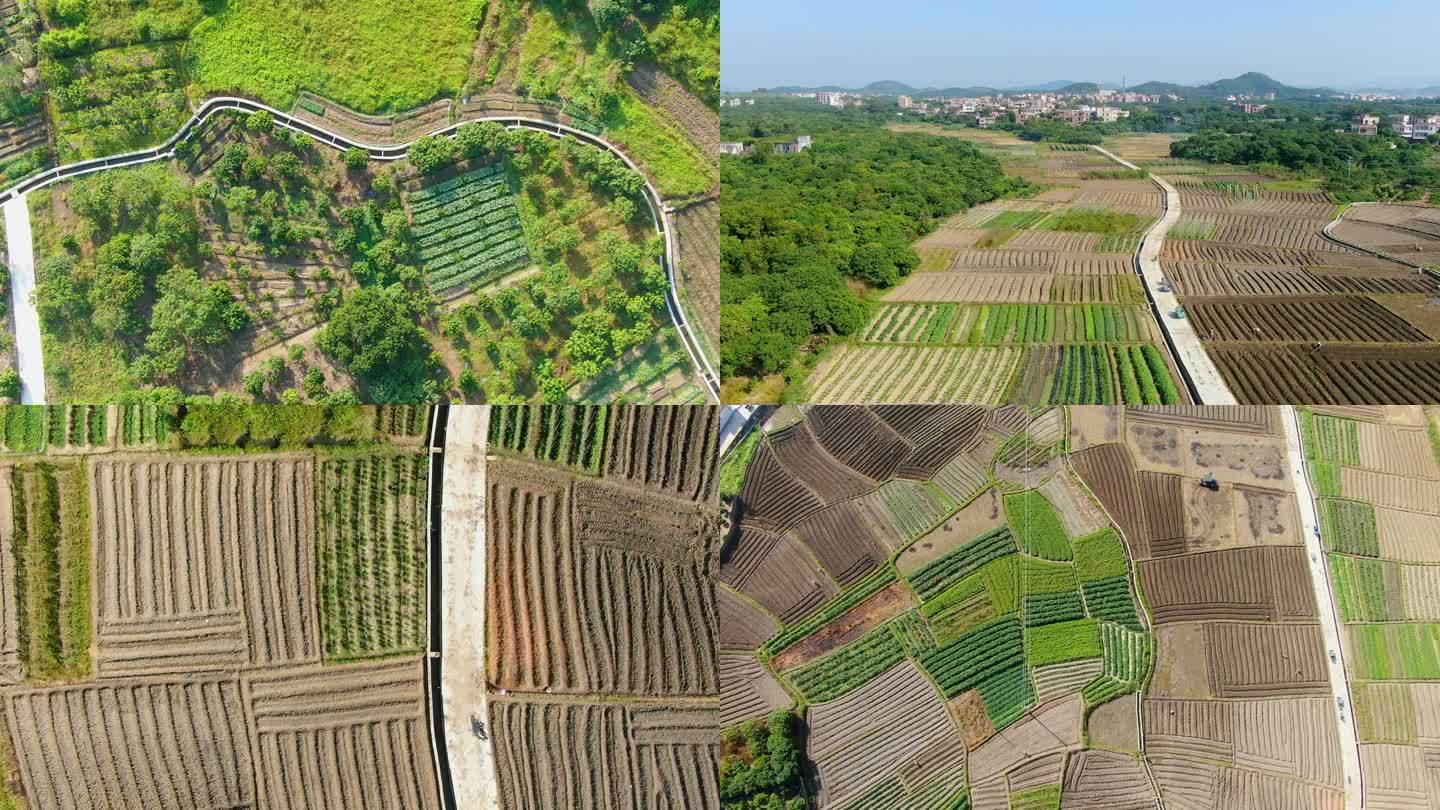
pixel 1254 84
pixel 889 87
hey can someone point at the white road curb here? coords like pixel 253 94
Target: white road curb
pixel 29 348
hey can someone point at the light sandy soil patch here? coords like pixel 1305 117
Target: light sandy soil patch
pixel 1101 424
pixel 1398 450
pixel 1156 448
pixel 1265 518
pixel 1408 536
pixel 981 515
pixel 1209 518
pixel 1253 460
pixel 969 712
pixel 1050 729
pixel 1078 513
pixel 1182 663
pixel 1115 725
pixel 1394 491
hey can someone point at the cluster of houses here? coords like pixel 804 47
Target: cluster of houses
pixel 1412 127
pixel 740 148
pixel 736 102
pixel 1073 108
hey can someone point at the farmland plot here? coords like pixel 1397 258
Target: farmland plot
pixel 1375 485
pixel 1010 615
pixel 1288 314
pixel 1052 271
pixel 604 655
pixel 467 230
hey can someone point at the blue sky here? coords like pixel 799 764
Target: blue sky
pixel 997 43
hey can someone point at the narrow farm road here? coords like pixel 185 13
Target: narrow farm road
pixel 708 377
pixel 1329 616
pixel 28 350
pixel 462 536
pixel 1202 377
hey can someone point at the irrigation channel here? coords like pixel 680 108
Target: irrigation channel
pixel 434 603
pixel 1197 370
pixel 709 379
pixel 1325 608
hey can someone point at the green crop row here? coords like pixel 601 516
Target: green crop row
pixel 1335 439
pixel 1408 651
pixel 850 667
pixel 1110 600
pixel 1007 694
pixel 975 656
pixel 1036 526
pixel 24 428
pixel 1045 797
pixel 1360 588
pixel 569 435
pixel 1051 608
pixel 1062 642
pixel 955 565
pixel 1016 219
pixel 1100 555
pixel 914 507
pixel 851 597
pixel 1349 527
pixel 913 633
pixel 1082 377
pixel 146 423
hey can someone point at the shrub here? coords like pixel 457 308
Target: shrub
pixel 356 158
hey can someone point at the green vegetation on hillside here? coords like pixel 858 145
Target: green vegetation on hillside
pixel 371 55
pixel 800 232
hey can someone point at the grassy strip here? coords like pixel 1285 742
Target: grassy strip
pixel 52 562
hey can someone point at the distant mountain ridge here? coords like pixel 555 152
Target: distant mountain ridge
pixel 1253 83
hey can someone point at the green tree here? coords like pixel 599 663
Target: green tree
pixel 356 158
pixel 260 121
pixel 431 153
pixel 375 331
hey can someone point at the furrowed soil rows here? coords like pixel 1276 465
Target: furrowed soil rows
pixel 173 594
pixel 594 589
pixel 371 554
pixel 615 756
pixel 349 736
pixel 148 743
pixel 1351 320
pixel 669 448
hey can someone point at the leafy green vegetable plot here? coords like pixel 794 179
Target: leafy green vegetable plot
pixel 1036 527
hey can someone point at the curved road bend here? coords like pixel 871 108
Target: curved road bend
pixel 709 379
pixel 1202 377
pixel 21 257
pixel 461 610
pixel 1329 616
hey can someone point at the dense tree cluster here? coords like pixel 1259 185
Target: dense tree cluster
pixel 760 766
pixel 1354 167
pixel 796 229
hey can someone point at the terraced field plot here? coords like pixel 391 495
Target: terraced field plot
pixel 191 629
pixel 468 230
pixel 1376 474
pixel 1051 276
pixel 602 623
pixel 953 606
pixel 1290 316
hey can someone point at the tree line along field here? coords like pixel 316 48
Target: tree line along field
pixel 117 77
pixel 1376 472
pixel 497 266
pixel 601 540
pixel 1048 278
pixel 1291 316
pixel 936 591
pixel 194 609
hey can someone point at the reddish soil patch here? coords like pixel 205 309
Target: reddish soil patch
pixel 848 626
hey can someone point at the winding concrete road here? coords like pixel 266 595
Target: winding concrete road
pixel 1329 615
pixel 29 350
pixel 470 755
pixel 1202 377
pixel 708 377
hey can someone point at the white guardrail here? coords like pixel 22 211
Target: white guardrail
pixel 708 377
